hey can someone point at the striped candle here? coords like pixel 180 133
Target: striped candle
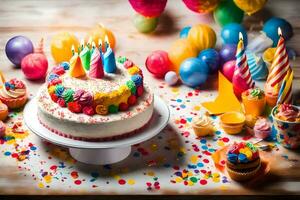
pixel 280 64
pixel 285 92
pixel 241 63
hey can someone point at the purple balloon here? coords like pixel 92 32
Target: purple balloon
pixel 227 53
pixel 17 48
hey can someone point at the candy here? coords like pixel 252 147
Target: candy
pixel 232 157
pixel 123 106
pixel 113 109
pixel 101 110
pixel 158 63
pixel 193 72
pixel 61 102
pixel 132 100
pixel 242 158
pixel 88 110
pixel 140 91
pixel 17 48
pixel 171 78
pixel 74 107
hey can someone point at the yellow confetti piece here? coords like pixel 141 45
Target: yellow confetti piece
pixel 131 181
pixel 150 173
pixel 216 180
pixel 178 179
pixel 184 175
pixel 154 147
pixel 220 143
pixel 197 108
pixel 41 185
pixel 194 159
pixel 175 90
pixel 48 178
pixel 215 175
pixel 190 173
pixel 190 183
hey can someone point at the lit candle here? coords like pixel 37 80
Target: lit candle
pixel 85 56
pixel 109 59
pixel 96 70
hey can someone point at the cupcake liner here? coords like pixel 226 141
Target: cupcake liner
pixel 243 176
pixel 3 112
pixel 203 131
pixel 254 107
pixel 14 103
pixel 243 166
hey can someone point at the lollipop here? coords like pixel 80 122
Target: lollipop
pixel 180 50
pixel 17 48
pixel 202 37
pixel 227 12
pixel 250 6
pixel 201 6
pixel 61 44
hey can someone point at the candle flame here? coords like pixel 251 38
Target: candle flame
pixel 90 40
pixel 279 31
pixel 241 36
pixel 73 48
pixel 93 44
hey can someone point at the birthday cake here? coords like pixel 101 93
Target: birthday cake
pixel 95 101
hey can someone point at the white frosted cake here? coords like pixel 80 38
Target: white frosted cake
pixel 83 107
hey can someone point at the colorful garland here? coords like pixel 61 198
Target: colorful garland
pixel 81 101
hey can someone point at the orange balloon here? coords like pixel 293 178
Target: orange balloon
pixel 202 37
pixel 180 50
pixel 61 45
pixel 99 32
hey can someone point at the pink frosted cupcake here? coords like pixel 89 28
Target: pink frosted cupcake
pixel 13 93
pixel 2 129
pixel 262 128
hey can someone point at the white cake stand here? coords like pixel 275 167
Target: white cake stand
pixel 99 153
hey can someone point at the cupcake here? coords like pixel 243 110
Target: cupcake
pixel 243 161
pixel 262 128
pixel 254 101
pixel 232 122
pixel 2 129
pixel 286 119
pixel 3 111
pixel 203 126
pixel 13 93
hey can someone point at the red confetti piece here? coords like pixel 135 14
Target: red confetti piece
pixel 182 121
pixel 225 139
pixel 74 174
pixel 122 181
pixel 77 182
pixel 203 182
pixel 206 160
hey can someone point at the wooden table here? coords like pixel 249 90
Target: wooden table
pixel 36 19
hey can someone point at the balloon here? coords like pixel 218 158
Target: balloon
pixel 61 45
pixel 227 53
pixel 99 32
pixel 145 24
pixel 227 12
pixel 180 50
pixel 17 48
pixel 201 6
pixel 34 66
pixel 211 58
pixel 193 72
pixel 271 29
pixel 228 69
pixel 184 32
pixel 148 8
pixel 250 6
pixel 171 78
pixel 202 37
pixel 230 34
pixel 158 63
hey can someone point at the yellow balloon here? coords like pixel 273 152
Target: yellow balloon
pixel 250 6
pixel 61 45
pixel 202 37
pixel 180 50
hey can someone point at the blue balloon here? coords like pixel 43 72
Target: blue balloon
pixel 211 57
pixel 227 53
pixel 184 32
pixel 193 72
pixel 271 29
pixel 230 34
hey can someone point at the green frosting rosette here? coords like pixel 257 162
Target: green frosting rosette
pixel 85 57
pixel 256 93
pixel 68 95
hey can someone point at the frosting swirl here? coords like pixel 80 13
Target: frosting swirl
pixel 13 89
pixel 203 121
pixel 255 93
pixel 288 112
pixel 262 125
pixel 68 95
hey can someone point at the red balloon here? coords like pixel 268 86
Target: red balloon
pixel 158 63
pixel 34 66
pixel 228 69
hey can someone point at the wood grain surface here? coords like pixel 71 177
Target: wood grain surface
pixel 39 18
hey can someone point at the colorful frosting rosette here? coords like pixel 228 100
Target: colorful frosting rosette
pixel 254 102
pixel 286 118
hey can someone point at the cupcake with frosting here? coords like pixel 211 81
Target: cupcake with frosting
pixel 3 111
pixel 13 93
pixel 203 126
pixel 254 101
pixel 243 161
pixel 2 129
pixel 286 119
pixel 262 128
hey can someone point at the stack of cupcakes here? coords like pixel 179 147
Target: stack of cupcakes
pixel 243 161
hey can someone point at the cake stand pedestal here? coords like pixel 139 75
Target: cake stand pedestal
pixel 99 153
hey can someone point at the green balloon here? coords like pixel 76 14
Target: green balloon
pixel 227 12
pixel 145 24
